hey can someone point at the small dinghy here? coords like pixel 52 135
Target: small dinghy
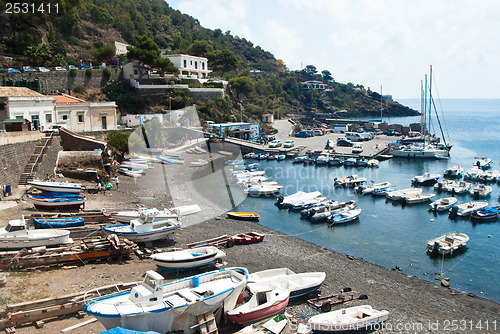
pixel 301 284
pixel 243 216
pixel 485 214
pixel 465 209
pixel 127 216
pixel 417 198
pixel 349 181
pixel 344 217
pixel 16 235
pixel 57 200
pixel 481 191
pixel 447 244
pixel 426 179
pixel 398 195
pixel 443 204
pixel 354 319
pixel 247 238
pixel 187 258
pixel 41 223
pixel 261 305
pixel 62 187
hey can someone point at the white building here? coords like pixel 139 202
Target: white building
pixel 24 103
pixel 132 120
pixel 190 67
pixel 120 48
pixel 313 84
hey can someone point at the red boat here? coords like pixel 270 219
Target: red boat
pixel 260 306
pixel 247 238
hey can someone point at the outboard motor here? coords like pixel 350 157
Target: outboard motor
pixel 453 210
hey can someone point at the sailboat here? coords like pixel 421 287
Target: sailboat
pixel 426 148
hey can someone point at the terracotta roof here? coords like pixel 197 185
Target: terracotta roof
pixel 66 99
pixel 18 92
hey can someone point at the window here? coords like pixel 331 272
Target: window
pixel 196 65
pixel 48 118
pixel 80 118
pixel 64 117
pixel 191 62
pixel 185 63
pixel 202 66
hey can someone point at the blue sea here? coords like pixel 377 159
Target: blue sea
pixel 389 234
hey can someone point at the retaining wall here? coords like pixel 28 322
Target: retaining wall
pixel 13 159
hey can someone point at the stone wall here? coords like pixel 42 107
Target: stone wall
pixel 71 141
pixel 61 81
pixel 13 159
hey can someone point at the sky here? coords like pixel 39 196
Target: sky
pixel 385 43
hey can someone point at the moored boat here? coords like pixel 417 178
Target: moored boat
pixel 465 209
pixel 187 258
pixel 426 179
pixel 243 216
pixel 485 214
pixel 481 190
pixel 417 198
pixel 350 181
pixel 398 195
pixel 482 162
pixel 443 204
pixel 354 318
pixel 62 187
pixel 263 190
pixel 160 307
pixel 452 172
pixel 16 235
pixel 57 200
pixel 296 198
pixel 447 243
pixel 344 217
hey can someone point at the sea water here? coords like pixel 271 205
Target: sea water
pixel 389 234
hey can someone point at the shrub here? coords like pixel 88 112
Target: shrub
pixel 73 73
pixel 106 72
pixel 88 73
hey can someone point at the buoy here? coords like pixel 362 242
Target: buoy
pixel 432 219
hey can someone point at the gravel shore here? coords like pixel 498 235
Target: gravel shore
pixel 415 306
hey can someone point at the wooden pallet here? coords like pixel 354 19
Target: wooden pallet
pixel 222 241
pixel 206 324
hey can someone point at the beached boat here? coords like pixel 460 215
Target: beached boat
pixel 465 209
pixel 145 228
pixel 57 200
pixel 296 198
pixel 453 172
pixel 398 195
pixel 261 305
pixel 485 214
pixel 160 307
pixel 135 173
pixel 247 238
pixel 299 284
pixel 443 204
pixel 198 163
pixel 344 217
pixel 349 181
pixel 187 258
pixel 447 243
pixel 426 179
pixel 417 198
pixel 481 190
pixel 356 318
pixel 243 216
pixel 62 187
pixel 482 162
pixel 134 165
pixel 127 216
pixel 16 235
pixel 41 223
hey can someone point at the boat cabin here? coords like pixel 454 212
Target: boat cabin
pixel 16 225
pixel 148 215
pixel 151 289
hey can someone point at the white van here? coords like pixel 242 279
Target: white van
pixel 354 136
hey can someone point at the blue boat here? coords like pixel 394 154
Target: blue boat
pixel 57 200
pixel 41 223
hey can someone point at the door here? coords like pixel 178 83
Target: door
pixel 104 123
pixel 35 122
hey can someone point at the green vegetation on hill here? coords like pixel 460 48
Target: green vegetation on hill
pixel 84 30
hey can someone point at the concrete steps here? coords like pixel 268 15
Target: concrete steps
pixel 34 160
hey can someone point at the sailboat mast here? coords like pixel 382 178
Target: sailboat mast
pixel 381 106
pixel 430 98
pixel 424 130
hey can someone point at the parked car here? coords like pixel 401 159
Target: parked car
pixel 357 148
pixel 344 142
pixel 59 68
pixel 354 136
pixel 54 128
pixel 275 143
pixel 43 69
pixel 289 143
pixel 28 69
pixel 318 132
pixel 71 67
pixel 85 66
pixel 13 70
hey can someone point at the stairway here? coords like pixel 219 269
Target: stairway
pixel 35 159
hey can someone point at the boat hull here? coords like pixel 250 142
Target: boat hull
pixel 40 203
pixel 250 216
pixel 62 187
pixel 40 223
pixel 148 236
pixel 253 316
pixel 338 321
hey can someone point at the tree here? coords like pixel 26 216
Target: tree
pixel 327 75
pixel 104 53
pixel 38 54
pixel 242 86
pixel 223 60
pixel 166 66
pixel 200 48
pixel 145 51
pixel 118 141
pixel 311 69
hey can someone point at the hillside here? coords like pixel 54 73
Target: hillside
pixel 83 30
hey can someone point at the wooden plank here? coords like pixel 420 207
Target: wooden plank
pixel 81 324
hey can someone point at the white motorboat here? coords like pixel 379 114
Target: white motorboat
pixel 371 187
pixel 318 215
pixel 373 163
pixel 443 204
pixel 187 258
pixel 154 306
pixel 62 187
pixel 16 235
pixel 473 174
pixel 460 187
pixel 447 243
pixel 262 304
pixel 263 190
pixel 481 190
pixel 300 285
pixel 426 179
pixel 354 318
pixel 127 216
pixel 418 152
pixel 445 185
pixel 454 171
pixel 489 176
pixel 145 228
pixel 465 209
pixel 482 162
pixel 397 195
pixel 350 181
pixel 323 159
pixel 417 198
pixel 344 217
pixel 296 198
